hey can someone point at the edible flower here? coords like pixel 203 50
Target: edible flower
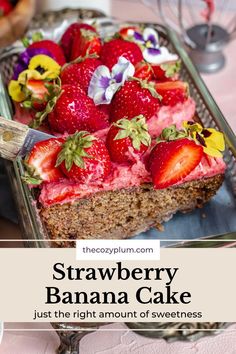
pixel 211 140
pixel 16 91
pixel 152 52
pixel 25 57
pixel 105 83
pixel 46 66
pixel 41 68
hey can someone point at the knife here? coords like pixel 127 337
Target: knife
pixel 17 139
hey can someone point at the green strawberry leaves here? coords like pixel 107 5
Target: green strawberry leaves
pixel 54 92
pixel 171 68
pixel 136 129
pixel 73 150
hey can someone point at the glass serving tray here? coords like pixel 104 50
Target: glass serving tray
pixel 216 218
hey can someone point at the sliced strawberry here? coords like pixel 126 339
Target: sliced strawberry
pixel 37 87
pixel 172 161
pixel 70 192
pixel 172 92
pixel 70 34
pixel 38 95
pixel 41 162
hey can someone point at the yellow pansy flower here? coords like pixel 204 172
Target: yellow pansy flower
pixel 211 140
pixel 45 66
pixel 29 75
pixel 16 91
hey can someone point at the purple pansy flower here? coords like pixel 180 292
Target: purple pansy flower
pixel 105 83
pixel 25 57
pixel 152 52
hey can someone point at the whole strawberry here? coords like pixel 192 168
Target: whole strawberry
pixel 70 34
pixel 126 138
pixel 172 92
pixel 75 111
pixel 85 43
pixel 5 7
pixel 52 48
pixel 84 158
pixel 111 51
pixel 171 161
pixel 134 98
pixel 80 73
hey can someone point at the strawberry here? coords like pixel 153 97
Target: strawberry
pixel 59 195
pixel 84 158
pixel 126 138
pixel 40 163
pixel 80 73
pixel 75 111
pixel 128 32
pixel 134 98
pixel 68 37
pixel 166 71
pixel 172 92
pixel 111 51
pixel 85 43
pixel 143 71
pixel 172 161
pixel 53 48
pixel 39 94
pixel 5 7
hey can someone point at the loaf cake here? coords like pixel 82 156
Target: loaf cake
pixel 128 151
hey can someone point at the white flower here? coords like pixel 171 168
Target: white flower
pixel 105 83
pixel 152 52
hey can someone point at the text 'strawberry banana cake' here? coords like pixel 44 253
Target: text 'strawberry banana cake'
pixel 127 152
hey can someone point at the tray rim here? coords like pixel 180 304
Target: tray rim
pixel 37 228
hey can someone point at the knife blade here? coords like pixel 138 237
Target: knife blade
pixel 17 139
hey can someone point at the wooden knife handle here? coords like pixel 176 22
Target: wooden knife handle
pixel 12 137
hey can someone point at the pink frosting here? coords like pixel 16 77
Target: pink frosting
pixel 127 176
pixel 69 191
pixel 171 115
pixel 121 177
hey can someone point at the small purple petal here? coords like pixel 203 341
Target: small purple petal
pixel 18 69
pixel 138 37
pixel 24 58
pixel 153 51
pixel 104 96
pixel 149 34
pixel 36 51
pixel 104 81
pixel 152 39
pixel 119 77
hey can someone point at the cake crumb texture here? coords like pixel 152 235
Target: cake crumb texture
pixel 124 213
